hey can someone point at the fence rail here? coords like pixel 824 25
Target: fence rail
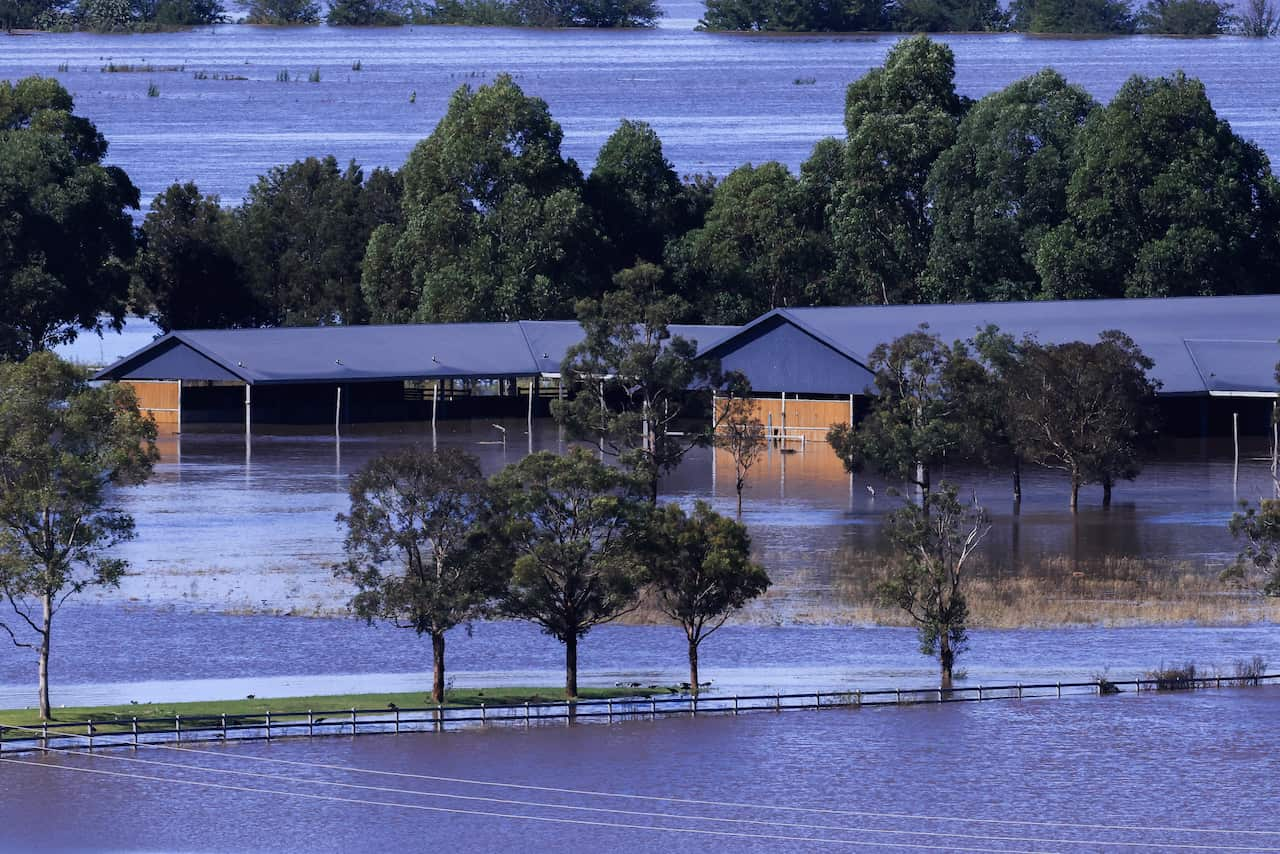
pixel 266 726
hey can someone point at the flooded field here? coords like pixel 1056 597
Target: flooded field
pixel 223 530
pixel 717 101
pixel 1152 773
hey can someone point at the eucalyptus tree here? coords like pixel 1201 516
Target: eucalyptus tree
pixel 636 193
pixel 65 450
pixel 572 528
pixel 740 434
pixel 636 385
pixel 67 238
pixel 1166 200
pixel 1088 410
pixel 927 408
pixel 701 572
pixel 416 548
pixel 932 551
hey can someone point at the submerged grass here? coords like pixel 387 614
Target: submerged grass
pixel 285 707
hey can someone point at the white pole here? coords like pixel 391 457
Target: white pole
pixel 784 417
pixel 179 406
pixel 337 414
pixel 435 394
pixel 1235 440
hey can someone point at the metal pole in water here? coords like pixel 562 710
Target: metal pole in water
pixel 1235 440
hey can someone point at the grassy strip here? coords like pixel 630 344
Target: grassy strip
pixel 283 708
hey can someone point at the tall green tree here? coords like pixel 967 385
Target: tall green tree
pixel 1258 18
pixel 947 16
pixel 415 547
pixel 1085 409
pixel 187 275
pixel 67 236
pixel 636 194
pixel 366 13
pixel 1072 16
pixel 1185 17
pixel 761 247
pixel 795 15
pixel 573 527
pixel 302 234
pixel 1001 187
pixel 636 385
pixel 899 118
pixel 65 449
pixel 1166 201
pixel 495 226
pixel 927 408
pixel 927 579
pixel 283 12
pixel 701 571
pixel 1259 528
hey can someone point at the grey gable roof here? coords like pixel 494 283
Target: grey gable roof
pixel 334 354
pixel 1219 345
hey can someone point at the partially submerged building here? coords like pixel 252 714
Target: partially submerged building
pixel 1214 357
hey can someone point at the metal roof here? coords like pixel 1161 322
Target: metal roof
pixel 338 354
pixel 1214 345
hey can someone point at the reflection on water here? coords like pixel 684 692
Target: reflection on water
pixel 1085 774
pixel 221 529
pixel 717 101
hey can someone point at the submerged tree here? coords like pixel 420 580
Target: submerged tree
pixel 635 382
pixel 1086 409
pixel 701 570
pixel 926 409
pixel 927 580
pixel 415 547
pixel 739 433
pixel 65 447
pixel 572 526
pixel 1259 18
pixel 1259 528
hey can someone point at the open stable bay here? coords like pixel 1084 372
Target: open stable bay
pixel 718 101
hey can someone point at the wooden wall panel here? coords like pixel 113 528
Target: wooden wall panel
pixel 160 399
pixel 812 417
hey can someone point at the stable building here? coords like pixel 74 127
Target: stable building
pixel 1215 357
pixel 355 374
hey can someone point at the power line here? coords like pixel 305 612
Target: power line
pixel 545 819
pixel 661 815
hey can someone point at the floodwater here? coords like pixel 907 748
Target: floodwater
pixel 1150 773
pixel 232 528
pixel 718 101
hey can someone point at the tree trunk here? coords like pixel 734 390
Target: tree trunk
pixel 571 666
pixel 437 667
pixel 46 713
pixel 1106 491
pixel 946 658
pixel 1017 483
pixel 693 667
pixel 1075 492
pixel 740 484
pixel 922 486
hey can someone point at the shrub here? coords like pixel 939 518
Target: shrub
pixel 1174 678
pixel 1250 672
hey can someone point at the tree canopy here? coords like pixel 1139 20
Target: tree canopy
pixel 64 449
pixel 67 237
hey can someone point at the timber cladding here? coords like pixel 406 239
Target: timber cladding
pixel 814 417
pixel 161 399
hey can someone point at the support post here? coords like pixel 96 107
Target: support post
pixel 1235 441
pixel 435 397
pixel 533 392
pixel 784 418
pixel 337 413
pixel 179 406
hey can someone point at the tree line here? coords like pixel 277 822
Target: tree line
pixel 116 16
pixel 1035 191
pixel 1258 18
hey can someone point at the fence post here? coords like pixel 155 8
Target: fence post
pixel 1059 690
pixel 979 692
pixel 1099 687
pixel 1 738
pixel 653 708
pixel 693 705
pixel 777 701
pixel 439 717
pixel 817 701
pixel 89 729
pixel 898 695
pixel 177 728
pixel 526 714
pixel 1219 680
pixel 44 733
pixel 1019 690
pixel 397 720
pixel 135 730
pixel 610 710
pixel 311 724
pixel 735 704
pixel 224 726
pixel 353 721
pixel 858 695
pixel 268 724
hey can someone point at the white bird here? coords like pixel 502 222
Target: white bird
pixel 871 489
